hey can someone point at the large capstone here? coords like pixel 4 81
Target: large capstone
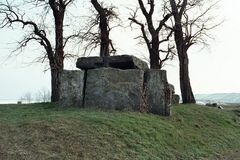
pixel 110 88
pixel 71 88
pixel 120 62
pixel 158 94
pixel 90 63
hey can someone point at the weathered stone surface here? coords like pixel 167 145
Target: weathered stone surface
pixel 90 62
pixel 171 87
pixel 71 88
pixel 120 62
pixel 170 91
pixel 157 92
pixel 175 99
pixel 110 88
pixel 125 62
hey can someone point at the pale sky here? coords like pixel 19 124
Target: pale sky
pixel 212 70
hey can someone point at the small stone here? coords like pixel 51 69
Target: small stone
pixel 220 107
pixel 214 105
pixel 211 104
pixel 197 126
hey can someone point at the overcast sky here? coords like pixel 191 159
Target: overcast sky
pixel 212 70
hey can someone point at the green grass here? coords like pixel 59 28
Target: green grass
pixel 42 131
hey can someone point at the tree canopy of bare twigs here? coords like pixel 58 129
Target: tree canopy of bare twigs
pixel 154 36
pixel 37 32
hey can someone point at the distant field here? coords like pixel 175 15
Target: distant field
pixel 8 101
pixel 224 98
pixel 42 131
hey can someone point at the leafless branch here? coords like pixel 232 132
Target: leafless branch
pixel 155 38
pixel 12 16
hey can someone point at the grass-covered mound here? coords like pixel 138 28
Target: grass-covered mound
pixel 41 131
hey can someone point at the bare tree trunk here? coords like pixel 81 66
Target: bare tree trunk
pixel 154 60
pixel 105 42
pixel 103 26
pixel 59 40
pixel 186 89
pixel 185 85
pixel 154 53
pixel 55 83
pixel 57 65
pixel 57 68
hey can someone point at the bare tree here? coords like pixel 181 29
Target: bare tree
pixel 97 31
pixel 27 97
pixel 43 95
pixel 191 26
pixel 54 50
pixel 155 39
pixel 104 15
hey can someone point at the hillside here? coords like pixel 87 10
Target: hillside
pixel 41 131
pixel 233 98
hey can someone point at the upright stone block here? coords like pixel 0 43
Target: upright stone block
pixel 171 91
pixel 110 88
pixel 157 92
pixel 175 99
pixel 71 88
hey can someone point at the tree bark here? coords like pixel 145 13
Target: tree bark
pixel 185 85
pixel 105 41
pixel 55 83
pixel 154 53
pixel 154 60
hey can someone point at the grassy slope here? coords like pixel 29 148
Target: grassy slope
pixel 41 131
